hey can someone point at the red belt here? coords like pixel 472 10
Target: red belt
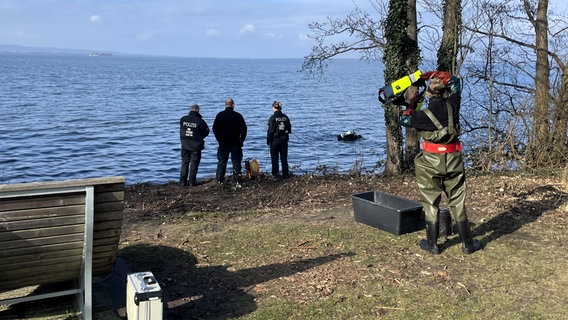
pixel 441 148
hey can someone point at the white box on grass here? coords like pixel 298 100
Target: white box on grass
pixel 143 297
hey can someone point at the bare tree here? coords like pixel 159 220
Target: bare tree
pixel 541 130
pixel 393 41
pixel 357 32
pixel 525 32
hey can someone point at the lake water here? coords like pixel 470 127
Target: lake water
pixel 71 117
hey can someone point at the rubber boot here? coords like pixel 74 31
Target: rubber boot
pixel 445 222
pixel 469 245
pixel 430 243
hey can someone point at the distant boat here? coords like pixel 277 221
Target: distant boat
pixel 99 54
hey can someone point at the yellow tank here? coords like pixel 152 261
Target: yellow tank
pixel 392 90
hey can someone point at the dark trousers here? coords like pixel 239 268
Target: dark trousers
pixel 223 157
pixel 279 149
pixel 189 165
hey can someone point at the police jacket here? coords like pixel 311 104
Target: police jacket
pixel 230 128
pixel 279 127
pixel 193 130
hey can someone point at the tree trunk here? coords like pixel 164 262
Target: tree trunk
pixel 539 151
pixel 447 54
pixel 394 58
pixel 393 165
pixel 411 140
pixel 560 121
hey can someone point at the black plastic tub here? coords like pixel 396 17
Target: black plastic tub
pixel 387 212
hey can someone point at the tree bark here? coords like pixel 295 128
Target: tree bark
pixel 447 54
pixel 539 151
pixel 398 51
pixel 411 139
pixel 560 120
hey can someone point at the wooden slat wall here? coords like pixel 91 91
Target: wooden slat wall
pixel 109 200
pixel 41 237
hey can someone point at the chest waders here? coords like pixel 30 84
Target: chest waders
pixel 439 168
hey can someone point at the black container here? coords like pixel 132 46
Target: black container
pixel 387 212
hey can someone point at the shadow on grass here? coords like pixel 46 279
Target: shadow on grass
pixel 52 308
pixel 529 207
pixel 192 291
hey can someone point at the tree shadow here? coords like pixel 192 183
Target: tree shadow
pixel 192 291
pixel 528 208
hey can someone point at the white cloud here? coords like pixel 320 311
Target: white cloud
pixel 96 18
pixel 303 36
pixel 247 28
pixel 211 32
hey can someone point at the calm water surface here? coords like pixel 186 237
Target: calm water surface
pixel 70 117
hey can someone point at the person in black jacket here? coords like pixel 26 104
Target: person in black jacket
pixel 277 132
pixel 230 131
pixel 192 130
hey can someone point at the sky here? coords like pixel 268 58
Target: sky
pixel 189 28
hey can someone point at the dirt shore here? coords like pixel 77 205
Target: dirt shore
pixel 495 202
pixel 290 248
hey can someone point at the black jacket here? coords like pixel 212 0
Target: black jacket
pixel 230 128
pixel 437 105
pixel 193 130
pixel 279 127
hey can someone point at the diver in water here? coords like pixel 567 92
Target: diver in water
pixel 349 136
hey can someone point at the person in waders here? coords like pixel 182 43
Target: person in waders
pixel 439 166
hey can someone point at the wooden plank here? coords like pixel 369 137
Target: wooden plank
pixel 38 256
pixel 39 250
pixel 42 223
pixel 108 256
pixel 109 249
pixel 39 213
pixel 38 279
pixel 20 266
pixel 110 196
pixel 44 268
pixel 108 206
pixel 101 235
pixel 61 184
pixel 106 248
pixel 109 187
pixel 106 241
pixel 47 201
pixel 41 233
pixel 108 225
pixel 20 244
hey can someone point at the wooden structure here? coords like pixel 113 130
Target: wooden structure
pixel 59 231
